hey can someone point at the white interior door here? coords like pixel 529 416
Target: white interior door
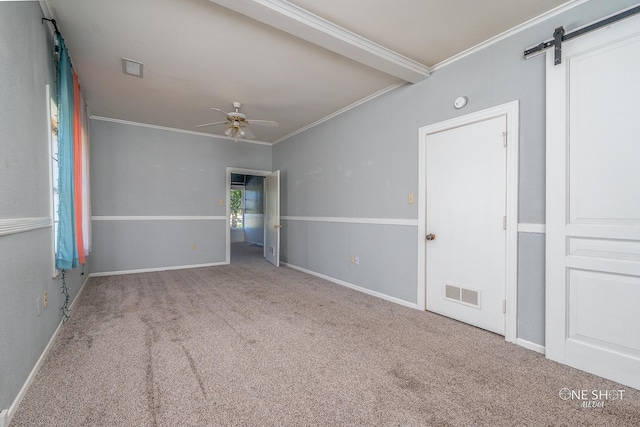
pixel 465 212
pixel 593 204
pixel 272 221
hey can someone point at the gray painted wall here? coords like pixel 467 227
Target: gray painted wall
pixel 254 209
pixel 26 262
pixel 363 164
pixel 531 287
pixel 147 172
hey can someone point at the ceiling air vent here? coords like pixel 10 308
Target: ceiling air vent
pixel 132 67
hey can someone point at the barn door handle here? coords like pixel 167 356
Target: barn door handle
pixel 431 236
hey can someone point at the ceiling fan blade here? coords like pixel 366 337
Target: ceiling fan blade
pixel 220 111
pixel 270 123
pixel 211 124
pixel 248 134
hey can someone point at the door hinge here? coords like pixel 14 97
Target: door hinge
pixel 504 136
pixel 504 222
pixel 504 305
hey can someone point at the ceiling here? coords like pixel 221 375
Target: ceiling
pixel 295 62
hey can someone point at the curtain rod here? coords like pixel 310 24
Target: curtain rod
pixel 53 21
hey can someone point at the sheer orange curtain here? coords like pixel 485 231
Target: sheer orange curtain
pixel 86 193
pixel 77 166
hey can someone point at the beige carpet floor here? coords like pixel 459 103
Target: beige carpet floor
pixel 254 345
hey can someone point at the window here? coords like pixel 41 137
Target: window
pixel 236 207
pixel 73 209
pixel 52 109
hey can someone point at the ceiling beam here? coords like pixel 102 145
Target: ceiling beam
pixel 294 20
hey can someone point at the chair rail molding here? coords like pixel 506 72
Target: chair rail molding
pixel 21 225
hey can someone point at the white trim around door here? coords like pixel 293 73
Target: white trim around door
pixel 240 171
pixel 511 112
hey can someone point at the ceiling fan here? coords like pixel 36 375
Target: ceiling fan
pixel 238 123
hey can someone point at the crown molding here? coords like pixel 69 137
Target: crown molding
pixel 342 110
pixel 190 132
pixel 301 23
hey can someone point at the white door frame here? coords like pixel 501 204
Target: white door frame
pixel 511 111
pixel 272 218
pixel 241 171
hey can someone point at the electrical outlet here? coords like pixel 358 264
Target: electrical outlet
pixel 356 260
pixel 353 259
pixel 45 300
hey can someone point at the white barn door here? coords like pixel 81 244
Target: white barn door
pixel 593 204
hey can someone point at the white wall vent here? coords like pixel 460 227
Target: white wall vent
pixel 460 295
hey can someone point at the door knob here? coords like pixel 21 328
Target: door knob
pixel 277 226
pixel 431 236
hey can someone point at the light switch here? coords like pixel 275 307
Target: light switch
pixel 410 198
pixel 221 202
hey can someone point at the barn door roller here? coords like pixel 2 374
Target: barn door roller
pixel 559 35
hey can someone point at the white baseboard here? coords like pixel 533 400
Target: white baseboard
pixel 354 287
pixel 7 415
pixel 73 303
pixel 151 270
pixel 531 346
